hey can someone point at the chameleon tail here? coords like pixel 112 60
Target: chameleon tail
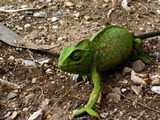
pixel 148 35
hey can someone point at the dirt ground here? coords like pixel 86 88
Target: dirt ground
pixel 65 23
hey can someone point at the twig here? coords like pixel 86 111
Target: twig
pixel 63 97
pixel 10 84
pixel 139 103
pixel 36 87
pixel 23 9
pixel 110 12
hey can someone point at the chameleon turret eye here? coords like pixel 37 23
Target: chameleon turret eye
pixel 76 55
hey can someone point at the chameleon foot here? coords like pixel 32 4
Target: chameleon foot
pixel 145 59
pixel 89 110
pixel 138 46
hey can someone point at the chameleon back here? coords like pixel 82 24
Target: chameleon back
pixel 112 45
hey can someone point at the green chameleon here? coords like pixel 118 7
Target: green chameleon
pixel 106 49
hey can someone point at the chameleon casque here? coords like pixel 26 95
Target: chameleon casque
pixel 106 49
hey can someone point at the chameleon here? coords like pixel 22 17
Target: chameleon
pixel 106 49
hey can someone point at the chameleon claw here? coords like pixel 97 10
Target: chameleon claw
pixel 89 110
pixel 84 77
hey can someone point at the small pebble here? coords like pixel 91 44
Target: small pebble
pixel 29 63
pixel 19 28
pixel 21 17
pixel 54 19
pixel 36 115
pixel 42 1
pixel 12 95
pixel 43 61
pixel 60 38
pixel 28 98
pixel 156 54
pixel 86 17
pixel 53 82
pixel 44 103
pixel 27 26
pixel 34 80
pixel 124 5
pixel 55 14
pixel 24 6
pixel 48 1
pixel 2 8
pixel 156 89
pixel 39 14
pixel 126 71
pixel 103 115
pixel 14 115
pixel 29 12
pixel 25 109
pixel 54 27
pixel 69 4
pixel 113 97
pixel 77 14
pixel 123 90
pixel 158 11
pixel 155 79
pixel 139 78
pixel 106 1
pixel 8 114
pixel 11 59
pixel 136 89
pixel 49 71
pixel 138 66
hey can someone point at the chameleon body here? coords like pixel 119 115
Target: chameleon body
pixel 106 49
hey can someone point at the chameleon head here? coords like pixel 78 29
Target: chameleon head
pixel 76 59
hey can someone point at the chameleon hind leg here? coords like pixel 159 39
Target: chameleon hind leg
pixel 92 99
pixel 138 46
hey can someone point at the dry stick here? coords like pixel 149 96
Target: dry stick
pixel 23 9
pixel 33 88
pixel 139 103
pixel 63 97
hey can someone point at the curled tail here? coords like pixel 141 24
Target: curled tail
pixel 148 35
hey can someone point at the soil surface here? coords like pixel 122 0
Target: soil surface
pixel 67 22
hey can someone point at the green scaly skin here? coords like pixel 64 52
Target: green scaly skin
pixel 105 50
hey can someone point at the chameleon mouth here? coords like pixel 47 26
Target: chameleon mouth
pixel 83 69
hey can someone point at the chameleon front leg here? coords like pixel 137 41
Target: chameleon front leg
pixel 93 96
pixel 138 46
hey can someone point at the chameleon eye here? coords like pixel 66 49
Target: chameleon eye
pixel 76 56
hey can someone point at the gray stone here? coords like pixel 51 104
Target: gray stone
pixel 12 95
pixel 21 17
pixel 138 66
pixel 39 14
pixel 34 80
pixel 126 71
pixel 29 12
pixel 54 19
pixel 27 26
pixel 69 4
